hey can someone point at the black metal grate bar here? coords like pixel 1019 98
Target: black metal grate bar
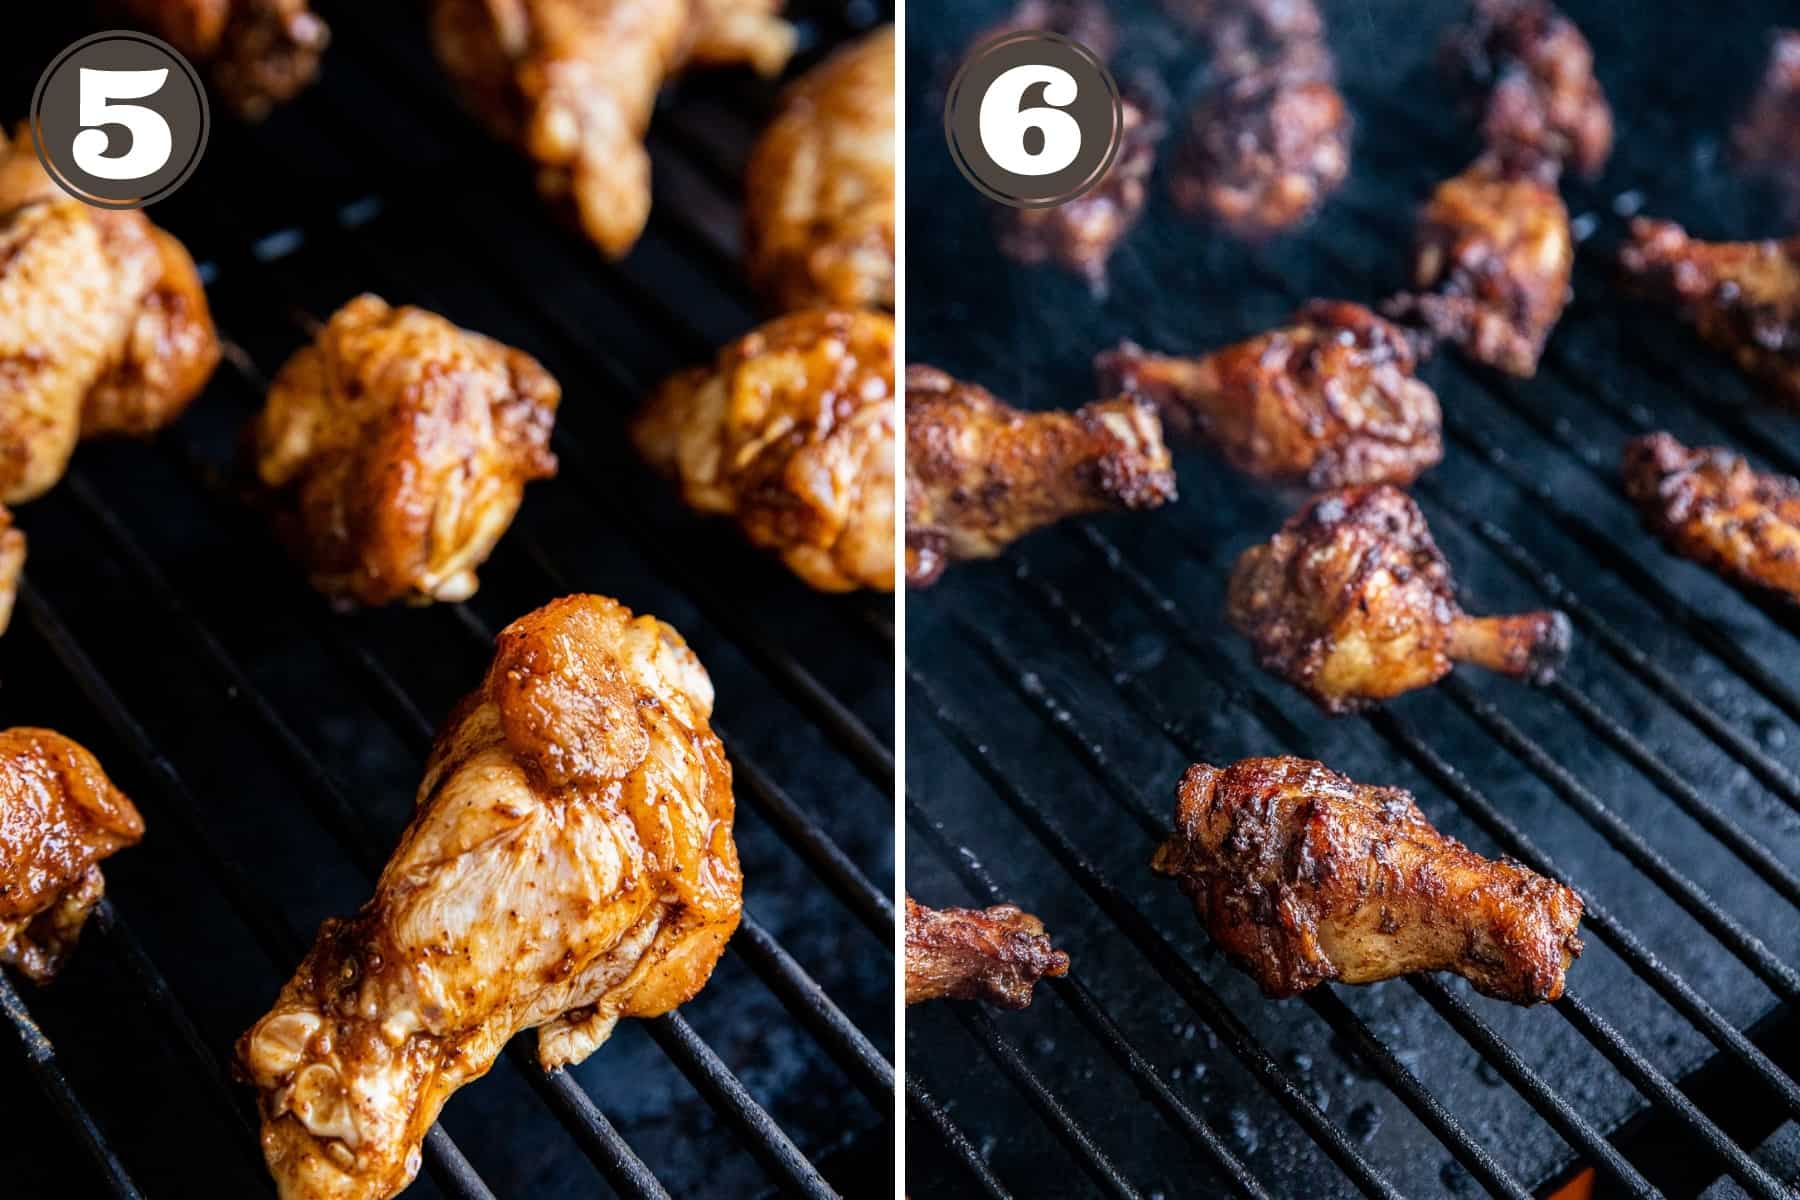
pixel 918 1100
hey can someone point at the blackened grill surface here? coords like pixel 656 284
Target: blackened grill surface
pixel 1086 684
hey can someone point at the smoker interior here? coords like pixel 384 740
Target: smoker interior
pixel 274 747
pixel 1056 695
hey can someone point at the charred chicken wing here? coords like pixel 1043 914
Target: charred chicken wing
pixel 1326 401
pixel 1767 140
pixel 1353 604
pixel 570 864
pixel 791 433
pixel 981 474
pixel 59 816
pixel 1304 876
pixel 994 954
pixel 257 52
pixel 397 448
pixel 12 565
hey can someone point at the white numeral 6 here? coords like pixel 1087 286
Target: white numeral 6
pixel 1003 123
pixel 152 142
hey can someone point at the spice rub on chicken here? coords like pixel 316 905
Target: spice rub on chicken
pixel 995 954
pixel 257 53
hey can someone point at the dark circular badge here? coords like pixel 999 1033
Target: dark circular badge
pixel 120 119
pixel 1033 119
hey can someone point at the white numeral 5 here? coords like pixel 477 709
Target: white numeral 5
pixel 151 139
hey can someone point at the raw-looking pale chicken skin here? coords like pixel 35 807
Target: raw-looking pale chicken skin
pixel 12 565
pixel 570 863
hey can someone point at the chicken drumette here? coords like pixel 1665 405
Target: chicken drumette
pixel 981 474
pixel 1326 401
pixel 570 864
pixel 1302 876
pixel 1353 604
pixel 820 186
pixel 59 817
pixel 994 954
pixel 397 448
pixel 256 52
pixel 1767 139
pixel 12 565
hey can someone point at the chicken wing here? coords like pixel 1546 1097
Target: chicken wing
pixel 791 433
pixel 981 474
pixel 1352 603
pixel 257 53
pixel 819 192
pixel 59 817
pixel 994 954
pixel 1302 876
pixel 1326 401
pixel 397 447
pixel 1767 139
pixel 12 565
pixel 573 82
pixel 570 863
pixel 1492 260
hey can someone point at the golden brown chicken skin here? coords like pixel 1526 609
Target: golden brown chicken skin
pixel 12 565
pixel 570 864
pixel 1327 400
pixel 994 954
pixel 1353 604
pixel 1303 876
pixel 791 433
pixel 819 192
pixel 257 53
pixel 396 449
pixel 980 474
pixel 1766 140
pixel 59 817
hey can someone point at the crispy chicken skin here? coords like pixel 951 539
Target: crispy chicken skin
pixel 1743 298
pixel 994 954
pixel 1709 505
pixel 1353 604
pixel 1302 876
pixel 573 83
pixel 819 201
pixel 981 474
pixel 570 863
pixel 59 816
pixel 257 53
pixel 1767 139
pixel 1327 400
pixel 791 433
pixel 1491 261
pixel 12 565
pixel 397 447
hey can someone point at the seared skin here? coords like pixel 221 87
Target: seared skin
pixel 1767 139
pixel 397 448
pixel 12 564
pixel 1327 400
pixel 573 83
pixel 1492 260
pixel 819 199
pixel 994 954
pixel 1303 876
pixel 570 864
pixel 1353 604
pixel 1742 298
pixel 59 817
pixel 791 433
pixel 981 474
pixel 256 52
pixel 1709 505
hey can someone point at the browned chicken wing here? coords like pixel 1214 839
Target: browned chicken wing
pixel 981 474
pixel 820 186
pixel 1767 139
pixel 1326 401
pixel 1352 603
pixel 1492 260
pixel 397 448
pixel 1302 876
pixel 573 83
pixel 791 432
pixel 12 565
pixel 257 52
pixel 994 954
pixel 59 817
pixel 570 864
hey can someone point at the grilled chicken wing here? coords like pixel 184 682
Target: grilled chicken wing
pixel 573 82
pixel 570 864
pixel 104 326
pixel 820 186
pixel 981 474
pixel 1303 876
pixel 791 433
pixel 1743 298
pixel 12 565
pixel 257 52
pixel 994 954
pixel 397 448
pixel 59 816
pixel 1492 260
pixel 1326 401
pixel 1352 603
pixel 1767 139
